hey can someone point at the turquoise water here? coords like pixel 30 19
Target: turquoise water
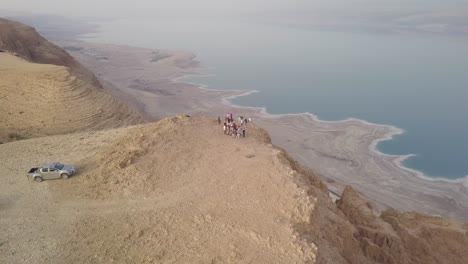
pixel 417 83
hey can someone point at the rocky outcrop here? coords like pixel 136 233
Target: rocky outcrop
pixel 350 231
pixel 396 237
pixel 377 239
pixel 429 239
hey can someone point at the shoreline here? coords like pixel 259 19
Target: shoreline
pixel 344 152
pixel 392 130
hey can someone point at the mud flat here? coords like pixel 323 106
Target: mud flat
pixel 342 152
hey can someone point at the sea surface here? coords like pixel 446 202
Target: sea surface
pixel 416 83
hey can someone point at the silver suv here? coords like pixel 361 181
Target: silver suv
pixel 53 170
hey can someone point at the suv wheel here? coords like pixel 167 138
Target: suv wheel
pixel 37 179
pixel 64 176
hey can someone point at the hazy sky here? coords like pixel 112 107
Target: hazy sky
pixel 137 8
pixel 440 16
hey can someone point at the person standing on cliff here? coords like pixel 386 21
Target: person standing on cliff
pixel 219 120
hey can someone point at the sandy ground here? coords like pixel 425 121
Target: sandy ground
pixel 342 152
pixel 38 100
pixel 176 191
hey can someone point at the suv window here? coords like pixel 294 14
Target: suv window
pixel 52 170
pixel 45 170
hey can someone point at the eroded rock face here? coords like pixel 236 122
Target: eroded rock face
pixel 429 239
pixel 351 232
pixel 396 237
pixel 330 230
pixel 377 239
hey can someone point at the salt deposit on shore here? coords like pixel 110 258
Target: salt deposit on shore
pixel 343 152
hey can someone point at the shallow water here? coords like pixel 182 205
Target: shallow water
pixel 417 83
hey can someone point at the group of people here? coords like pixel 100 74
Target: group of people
pixel 231 128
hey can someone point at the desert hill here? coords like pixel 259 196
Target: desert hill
pixel 45 91
pixel 176 191
pixel 180 191
pixel 25 42
pixel 42 99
